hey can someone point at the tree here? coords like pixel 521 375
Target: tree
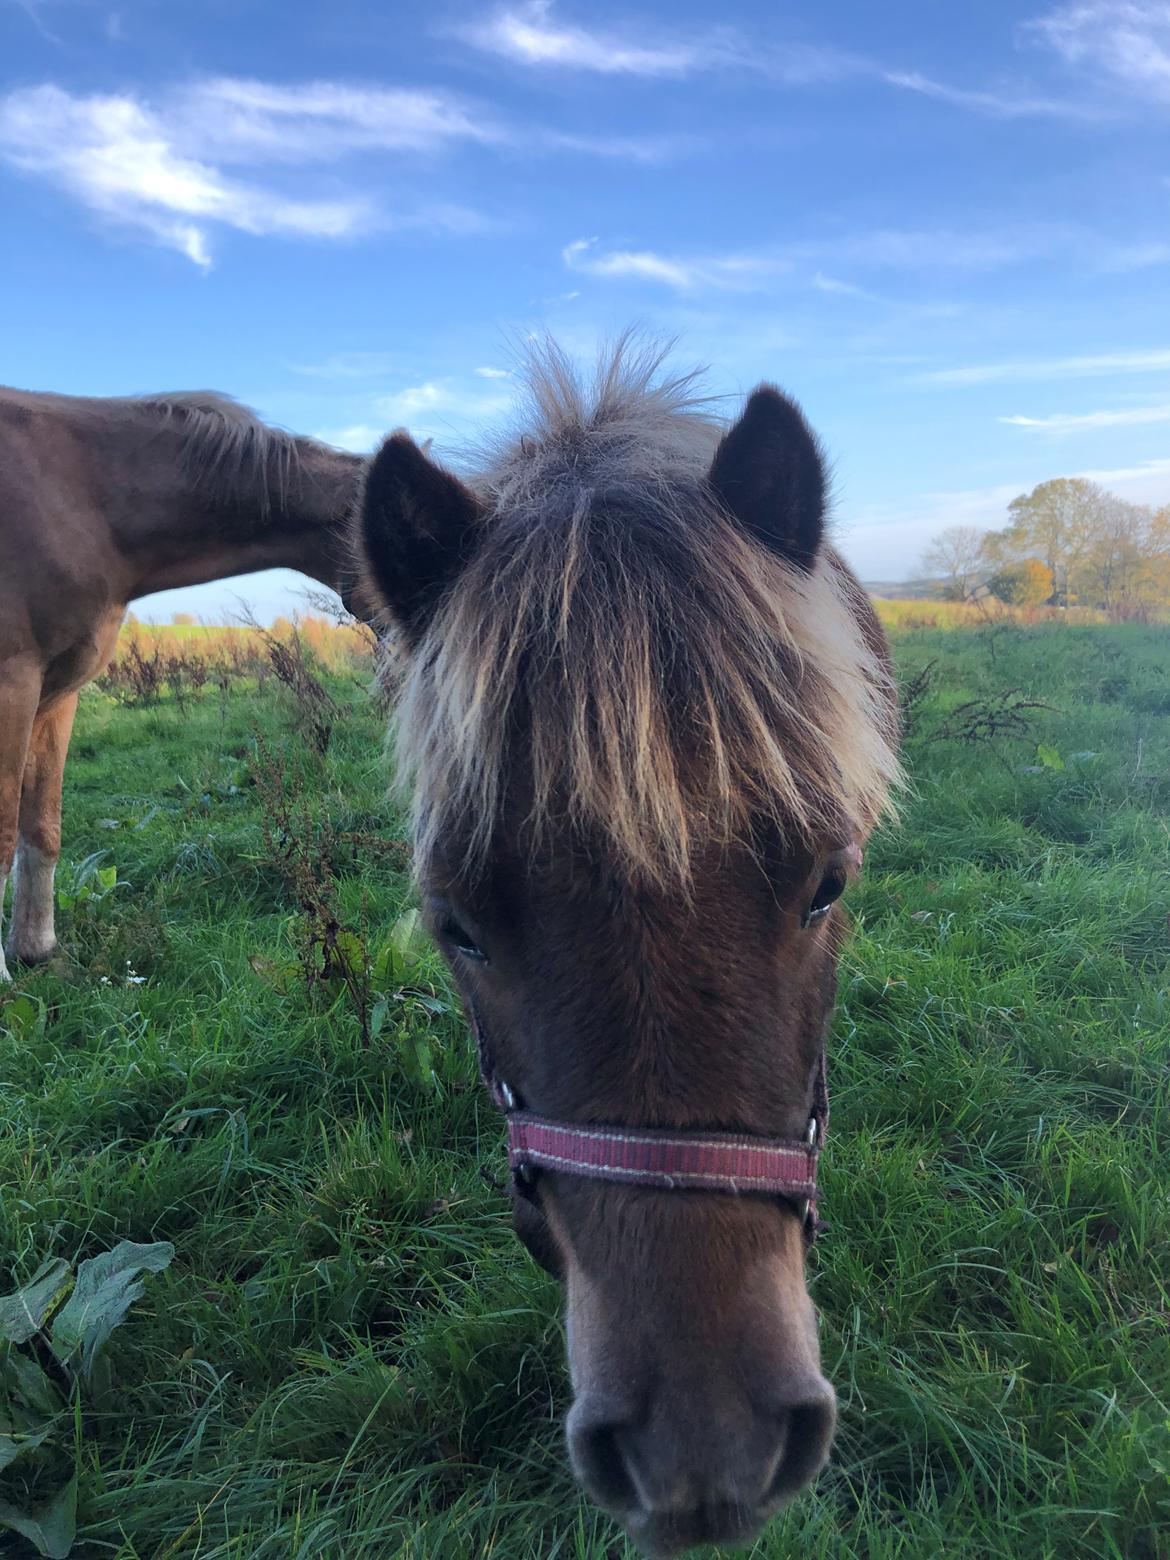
pixel 183 619
pixel 1114 560
pixel 1056 522
pixel 1026 584
pixel 959 555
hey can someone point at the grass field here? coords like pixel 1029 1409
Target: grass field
pixel 350 1356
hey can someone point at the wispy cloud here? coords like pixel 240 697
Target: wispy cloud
pixel 650 149
pixel 733 272
pixel 435 405
pixel 1088 367
pixel 359 437
pixel 1124 43
pixel 1147 482
pixel 834 285
pixel 1065 422
pixel 162 170
pixel 1004 104
pixel 228 153
pixel 909 250
pixel 115 156
pixel 531 34
pixel 243 120
pixel 431 409
pixel 347 365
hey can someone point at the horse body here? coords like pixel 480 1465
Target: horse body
pixel 103 501
pixel 647 719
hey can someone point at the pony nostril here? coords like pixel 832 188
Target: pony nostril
pixel 805 1437
pixel 601 1466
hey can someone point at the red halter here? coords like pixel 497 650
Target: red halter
pixel 729 1162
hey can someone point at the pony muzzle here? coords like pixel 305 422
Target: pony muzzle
pixel 700 1407
pixel 678 1473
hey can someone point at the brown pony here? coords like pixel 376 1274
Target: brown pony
pixel 647 718
pixel 102 501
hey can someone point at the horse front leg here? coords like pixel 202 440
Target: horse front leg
pixel 20 689
pixel 33 938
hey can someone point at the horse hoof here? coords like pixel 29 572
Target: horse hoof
pixel 30 956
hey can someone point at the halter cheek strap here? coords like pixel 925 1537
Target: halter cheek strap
pixel 730 1162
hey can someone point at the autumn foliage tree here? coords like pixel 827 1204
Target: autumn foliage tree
pixel 1067 541
pixel 1026 584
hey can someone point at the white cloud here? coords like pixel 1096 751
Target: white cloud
pixel 1052 368
pixel 432 409
pixel 886 248
pixel 361 437
pixel 494 373
pixel 434 406
pixel 161 169
pixel 162 166
pixel 118 158
pixel 731 272
pixel 32 10
pixel 240 120
pixel 1146 483
pixel 1125 43
pixel 998 105
pixel 1064 422
pixel 347 365
pixel 529 34
pixel 833 284
pixel 649 149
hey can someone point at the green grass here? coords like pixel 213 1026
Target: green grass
pixel 352 1357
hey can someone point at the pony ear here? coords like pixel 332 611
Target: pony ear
pixel 417 523
pixel 768 473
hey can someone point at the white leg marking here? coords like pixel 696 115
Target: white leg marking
pixel 32 938
pixel 4 975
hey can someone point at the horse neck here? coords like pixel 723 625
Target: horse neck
pixel 173 530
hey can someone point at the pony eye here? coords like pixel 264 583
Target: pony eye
pixel 462 941
pixel 830 889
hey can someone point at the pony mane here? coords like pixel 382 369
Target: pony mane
pixel 617 645
pixel 226 451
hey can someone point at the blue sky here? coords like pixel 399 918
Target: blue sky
pixel 944 227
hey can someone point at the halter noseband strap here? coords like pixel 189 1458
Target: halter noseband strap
pixel 729 1162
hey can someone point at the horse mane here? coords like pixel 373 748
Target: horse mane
pixel 663 680
pixel 226 451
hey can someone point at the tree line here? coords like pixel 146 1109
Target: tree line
pixel 1068 542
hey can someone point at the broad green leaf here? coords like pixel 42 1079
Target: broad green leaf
pixel 52 1529
pixel 29 1392
pixel 22 1313
pixel 1049 757
pixel 29 1405
pixel 106 1288
pixel 22 1016
pixel 107 878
